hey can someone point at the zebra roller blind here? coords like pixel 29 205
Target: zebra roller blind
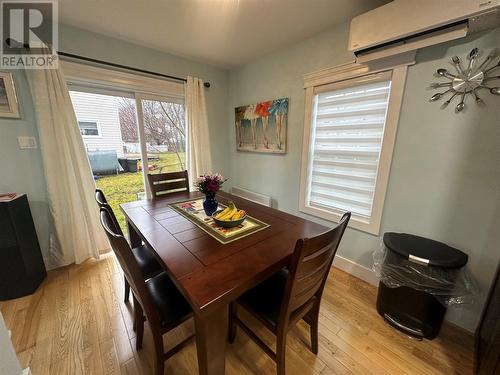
pixel 348 121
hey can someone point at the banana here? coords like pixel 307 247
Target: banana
pixel 232 210
pixel 220 214
pixel 238 215
pixel 223 212
pixel 229 215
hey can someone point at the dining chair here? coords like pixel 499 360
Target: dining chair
pixel 101 200
pixel 292 294
pixel 144 257
pixel 157 300
pixel 165 183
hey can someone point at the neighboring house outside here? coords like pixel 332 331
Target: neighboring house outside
pixel 99 121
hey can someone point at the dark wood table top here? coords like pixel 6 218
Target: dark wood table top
pixel 206 271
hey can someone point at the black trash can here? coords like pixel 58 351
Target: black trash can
pixel 123 163
pixel 128 165
pixel 132 165
pixel 424 270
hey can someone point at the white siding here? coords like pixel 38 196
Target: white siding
pixel 104 110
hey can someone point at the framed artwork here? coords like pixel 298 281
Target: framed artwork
pixel 9 107
pixel 262 127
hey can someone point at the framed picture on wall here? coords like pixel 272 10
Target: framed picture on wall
pixel 9 107
pixel 262 127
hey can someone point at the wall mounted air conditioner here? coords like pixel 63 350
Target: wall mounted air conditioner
pixel 407 25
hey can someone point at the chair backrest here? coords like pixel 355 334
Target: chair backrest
pixel 166 183
pixel 100 198
pixel 309 268
pixel 129 265
pixel 103 202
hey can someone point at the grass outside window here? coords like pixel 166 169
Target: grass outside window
pixel 127 187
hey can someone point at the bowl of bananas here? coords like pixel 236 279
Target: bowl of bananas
pixel 229 217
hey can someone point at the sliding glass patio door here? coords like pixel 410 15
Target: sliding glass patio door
pixel 108 125
pixel 163 132
pixel 126 136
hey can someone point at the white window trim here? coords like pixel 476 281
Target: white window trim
pixel 99 133
pixel 338 74
pixel 116 80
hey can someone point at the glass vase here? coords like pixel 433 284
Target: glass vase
pixel 210 204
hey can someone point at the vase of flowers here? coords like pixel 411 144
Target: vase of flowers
pixel 209 184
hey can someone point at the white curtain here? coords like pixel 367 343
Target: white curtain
pixel 199 159
pixel 76 234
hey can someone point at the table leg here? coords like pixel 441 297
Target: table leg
pixel 133 237
pixel 211 336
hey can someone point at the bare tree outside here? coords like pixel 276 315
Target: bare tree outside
pixel 164 125
pixel 128 120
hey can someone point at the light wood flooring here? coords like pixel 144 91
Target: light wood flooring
pixel 77 323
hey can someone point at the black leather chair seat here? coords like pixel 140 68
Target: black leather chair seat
pixel 147 262
pixel 265 299
pixel 171 304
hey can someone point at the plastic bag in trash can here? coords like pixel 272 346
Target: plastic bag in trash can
pixel 453 286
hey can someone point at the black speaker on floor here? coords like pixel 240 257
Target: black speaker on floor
pixel 21 263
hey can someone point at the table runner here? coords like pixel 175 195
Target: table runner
pixel 193 211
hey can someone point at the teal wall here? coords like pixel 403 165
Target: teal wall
pixel 22 170
pixel 445 175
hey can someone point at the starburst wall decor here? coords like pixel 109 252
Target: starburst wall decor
pixel 466 82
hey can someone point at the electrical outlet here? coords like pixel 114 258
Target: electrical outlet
pixel 26 142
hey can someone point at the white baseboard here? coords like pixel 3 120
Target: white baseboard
pixel 252 196
pixel 26 371
pixel 359 271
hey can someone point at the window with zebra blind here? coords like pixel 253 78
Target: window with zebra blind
pixel 349 135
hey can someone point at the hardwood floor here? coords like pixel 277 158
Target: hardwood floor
pixel 76 323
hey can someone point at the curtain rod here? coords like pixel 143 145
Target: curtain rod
pixel 13 42
pixel 120 66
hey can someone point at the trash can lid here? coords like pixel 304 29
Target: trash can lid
pixel 424 250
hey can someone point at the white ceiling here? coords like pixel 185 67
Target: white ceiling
pixel 226 33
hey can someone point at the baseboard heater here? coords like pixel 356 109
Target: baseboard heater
pixel 252 196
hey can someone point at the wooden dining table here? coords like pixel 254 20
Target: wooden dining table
pixel 208 273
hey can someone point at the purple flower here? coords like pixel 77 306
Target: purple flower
pixel 213 186
pixel 209 183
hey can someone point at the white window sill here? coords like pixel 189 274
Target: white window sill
pixel 371 227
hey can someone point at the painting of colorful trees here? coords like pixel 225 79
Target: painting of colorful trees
pixel 262 127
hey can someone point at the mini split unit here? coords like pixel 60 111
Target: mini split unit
pixel 407 25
